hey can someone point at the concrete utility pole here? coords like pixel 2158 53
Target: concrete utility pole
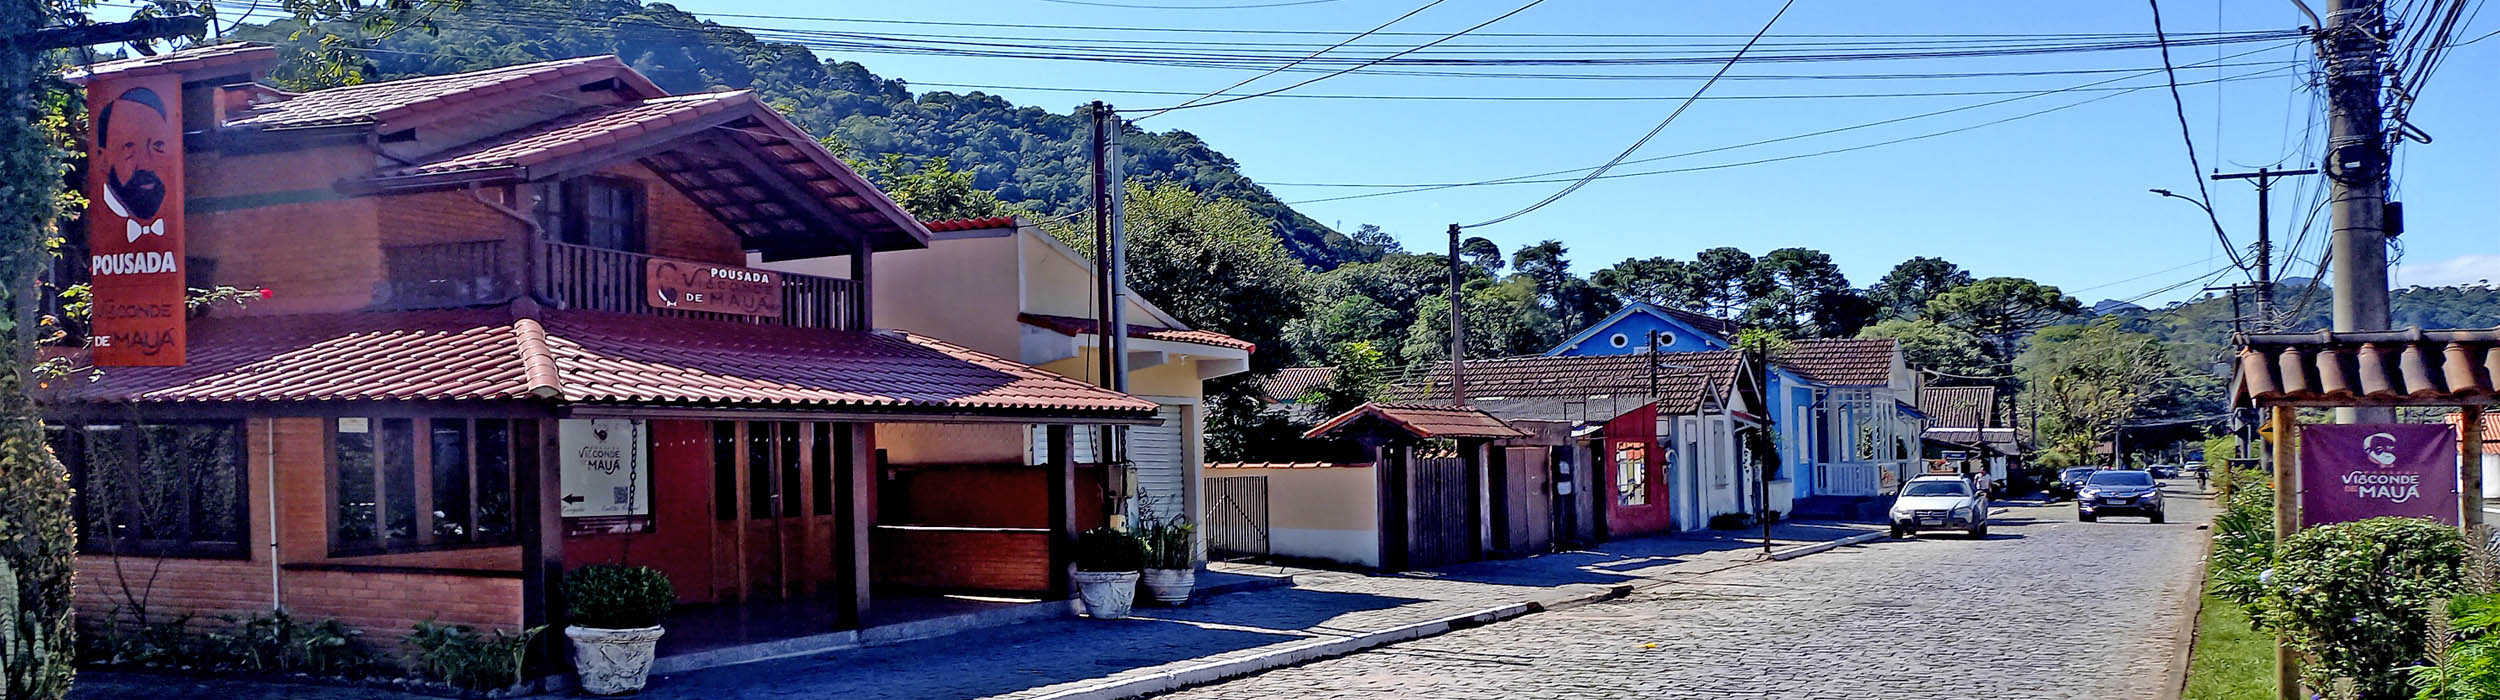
pixel 2353 47
pixel 1110 317
pixel 1458 330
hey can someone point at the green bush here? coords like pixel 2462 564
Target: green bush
pixel 607 596
pixel 458 655
pixel 2355 598
pixel 1108 550
pixel 2465 652
pixel 1167 544
pixel 2244 541
pixel 278 643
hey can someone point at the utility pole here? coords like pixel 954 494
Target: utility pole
pixel 1110 319
pixel 1458 330
pixel 2264 180
pixel 2353 48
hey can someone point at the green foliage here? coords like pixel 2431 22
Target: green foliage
pixel 1801 293
pixel 1361 372
pixel 460 656
pixel 2002 310
pixel 610 596
pixel 2244 541
pixel 2087 379
pixel 1904 292
pixel 1105 549
pixel 279 643
pixel 1930 345
pixel 1658 281
pixel 1210 262
pixel 37 640
pixel 1168 544
pixel 2354 597
pixel 2232 660
pixel 934 190
pixel 2465 649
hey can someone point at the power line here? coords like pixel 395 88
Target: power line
pixel 1282 68
pixel 1653 131
pixel 2196 171
pixel 1575 98
pixel 1191 7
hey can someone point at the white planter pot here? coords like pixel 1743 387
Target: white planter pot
pixel 613 662
pixel 1171 586
pixel 1107 594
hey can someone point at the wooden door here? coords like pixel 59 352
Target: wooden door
pixel 1236 517
pixel 772 486
pixel 1527 504
pixel 1443 524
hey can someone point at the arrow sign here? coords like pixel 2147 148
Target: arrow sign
pixel 569 498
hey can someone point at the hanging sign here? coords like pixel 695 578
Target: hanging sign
pixel 686 285
pixel 2356 472
pixel 134 222
pixel 605 476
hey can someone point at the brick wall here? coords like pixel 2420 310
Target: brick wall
pixel 384 605
pixel 960 559
pixel 273 220
pixel 442 217
pixel 203 588
pixel 677 227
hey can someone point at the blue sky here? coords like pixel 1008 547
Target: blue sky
pixel 2059 197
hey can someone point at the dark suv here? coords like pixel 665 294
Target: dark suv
pixel 2119 492
pixel 2069 482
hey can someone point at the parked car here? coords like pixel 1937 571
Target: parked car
pixel 2119 492
pixel 1938 502
pixel 2164 471
pixel 2069 482
pixel 2195 467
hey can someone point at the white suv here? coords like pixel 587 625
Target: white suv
pixel 1938 503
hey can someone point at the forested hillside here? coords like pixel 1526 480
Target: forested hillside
pixel 1029 156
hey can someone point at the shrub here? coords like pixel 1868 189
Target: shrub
pixel 458 655
pixel 2465 652
pixel 607 596
pixel 1167 544
pixel 2355 598
pixel 1107 550
pixel 2244 541
pixel 278 643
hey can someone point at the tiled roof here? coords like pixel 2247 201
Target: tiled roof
pixel 487 354
pixel 1723 328
pixel 1959 406
pixel 1686 381
pixel 391 99
pixel 1289 383
pixel 1841 361
pixel 1424 421
pixel 1070 325
pixel 970 224
pixel 186 61
pixel 575 133
pixel 1288 465
pixel 2000 439
pixel 2491 430
pixel 2384 367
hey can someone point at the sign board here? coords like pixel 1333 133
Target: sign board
pixel 135 222
pixel 2356 472
pixel 686 285
pixel 605 476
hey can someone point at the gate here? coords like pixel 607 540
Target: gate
pixel 1526 503
pixel 1236 517
pixel 1443 524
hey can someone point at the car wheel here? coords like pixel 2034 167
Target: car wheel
pixel 1982 533
pixel 1899 532
pixel 2157 517
pixel 2084 517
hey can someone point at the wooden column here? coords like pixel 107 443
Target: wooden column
pixel 1060 447
pixel 855 488
pixel 2286 522
pixel 864 317
pixel 539 514
pixel 2470 470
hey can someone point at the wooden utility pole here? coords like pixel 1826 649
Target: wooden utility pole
pixel 2286 522
pixel 2264 180
pixel 2352 47
pixel 1458 330
pixel 2470 471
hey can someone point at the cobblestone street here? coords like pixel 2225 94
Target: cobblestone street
pixel 2046 607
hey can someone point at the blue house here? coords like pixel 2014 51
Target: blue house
pixel 1627 332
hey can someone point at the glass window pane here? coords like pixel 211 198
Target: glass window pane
pixel 451 479
pixel 355 483
pixel 102 495
pixel 399 479
pixel 760 452
pixel 724 470
pixel 787 444
pixel 823 458
pixel 215 462
pixel 494 480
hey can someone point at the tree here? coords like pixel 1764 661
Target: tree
pixel 1725 282
pixel 1961 358
pixel 2087 380
pixel 1351 319
pixel 1361 372
pixel 1482 254
pixel 36 530
pixel 1209 262
pixel 933 191
pixel 1905 291
pixel 1503 319
pixel 2002 310
pixel 1801 293
pixel 1375 243
pixel 1659 281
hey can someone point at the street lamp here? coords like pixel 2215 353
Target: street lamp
pixel 2183 198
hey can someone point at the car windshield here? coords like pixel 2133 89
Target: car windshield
pixel 2079 473
pixel 1937 488
pixel 2121 479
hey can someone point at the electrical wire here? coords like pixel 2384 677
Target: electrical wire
pixel 1190 7
pixel 1653 131
pixel 1279 69
pixel 1579 98
pixel 2196 171
pixel 1367 64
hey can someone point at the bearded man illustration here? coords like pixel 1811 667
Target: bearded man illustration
pixel 136 140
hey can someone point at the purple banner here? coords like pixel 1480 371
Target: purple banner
pixel 2356 472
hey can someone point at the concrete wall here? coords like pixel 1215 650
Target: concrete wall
pixel 1326 513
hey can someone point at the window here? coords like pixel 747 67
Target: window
pixel 724 470
pixel 417 483
pixel 169 489
pixel 822 465
pixel 1619 340
pixel 1631 474
pixel 602 212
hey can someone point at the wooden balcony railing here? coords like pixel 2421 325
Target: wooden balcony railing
pixel 567 276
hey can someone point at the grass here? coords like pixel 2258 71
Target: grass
pixel 2231 660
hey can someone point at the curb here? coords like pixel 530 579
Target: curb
pixel 1802 550
pixel 1317 649
pixel 2183 656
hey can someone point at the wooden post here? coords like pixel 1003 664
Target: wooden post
pixel 1061 448
pixel 855 484
pixel 2286 522
pixel 540 516
pixel 2470 470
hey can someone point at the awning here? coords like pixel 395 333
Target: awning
pixel 2414 366
pixel 1423 421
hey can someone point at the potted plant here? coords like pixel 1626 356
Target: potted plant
pixel 1171 572
pixel 615 614
pixel 1107 564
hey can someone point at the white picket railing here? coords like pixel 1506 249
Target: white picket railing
pixel 1859 478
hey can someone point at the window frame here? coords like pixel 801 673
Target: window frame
pixel 78 467
pixel 573 215
pixel 420 462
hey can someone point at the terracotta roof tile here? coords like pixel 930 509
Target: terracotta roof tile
pixel 2491 430
pixel 971 224
pixel 1289 383
pixel 391 99
pixel 574 133
pixel 1959 406
pixel 1070 325
pixel 1288 465
pixel 184 61
pixel 1424 421
pixel 1841 361
pixel 590 358
pixel 2369 367
pixel 1530 386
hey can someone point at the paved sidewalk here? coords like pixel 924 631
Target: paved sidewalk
pixel 1062 657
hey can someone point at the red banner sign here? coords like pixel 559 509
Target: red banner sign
pixel 2357 472
pixel 686 285
pixel 134 221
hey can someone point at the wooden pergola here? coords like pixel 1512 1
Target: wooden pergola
pixel 2410 368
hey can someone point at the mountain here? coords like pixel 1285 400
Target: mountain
pixel 1027 155
pixel 2111 306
